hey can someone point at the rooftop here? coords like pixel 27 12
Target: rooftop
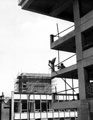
pixel 33 76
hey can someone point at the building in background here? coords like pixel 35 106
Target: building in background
pixel 79 41
pixel 33 83
pixel 33 98
pixel 5 108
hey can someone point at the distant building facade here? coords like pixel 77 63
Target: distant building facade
pixel 33 98
pixel 33 83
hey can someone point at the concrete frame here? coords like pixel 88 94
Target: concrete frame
pixel 84 57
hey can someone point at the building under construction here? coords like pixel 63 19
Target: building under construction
pixel 33 98
pixel 78 41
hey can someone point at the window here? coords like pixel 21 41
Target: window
pixel 89 81
pixel 37 105
pixel 31 106
pixel 85 7
pixel 87 39
pixel 49 104
pixel 24 86
pixel 89 70
pixel 43 106
pixel 17 106
pixel 24 105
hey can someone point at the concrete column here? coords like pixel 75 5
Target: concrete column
pixel 84 111
pixel 78 37
pixel 82 81
pixel 82 74
pixel 12 105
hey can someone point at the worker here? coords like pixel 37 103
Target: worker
pixel 51 64
pixel 61 66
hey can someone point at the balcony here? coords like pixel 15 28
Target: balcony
pixel 64 69
pixel 68 72
pixel 64 40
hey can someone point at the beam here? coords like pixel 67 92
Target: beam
pixel 87 61
pixel 88 24
pixel 66 105
pixel 72 104
pixel 63 40
pixel 26 4
pixel 60 7
pixel 67 70
pixel 87 17
pixel 20 2
pixel 91 105
pixel 88 53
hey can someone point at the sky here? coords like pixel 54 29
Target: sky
pixel 24 42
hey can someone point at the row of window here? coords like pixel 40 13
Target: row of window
pixel 87 39
pixel 32 106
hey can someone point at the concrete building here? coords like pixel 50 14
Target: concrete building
pixel 33 83
pixel 78 41
pixel 33 98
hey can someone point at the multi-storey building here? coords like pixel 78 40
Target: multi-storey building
pixel 33 83
pixel 79 41
pixel 33 98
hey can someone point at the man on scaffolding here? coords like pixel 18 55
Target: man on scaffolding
pixel 51 64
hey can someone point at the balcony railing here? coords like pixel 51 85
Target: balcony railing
pixel 56 67
pixel 53 38
pixel 64 63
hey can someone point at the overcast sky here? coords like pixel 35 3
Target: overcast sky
pixel 24 42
